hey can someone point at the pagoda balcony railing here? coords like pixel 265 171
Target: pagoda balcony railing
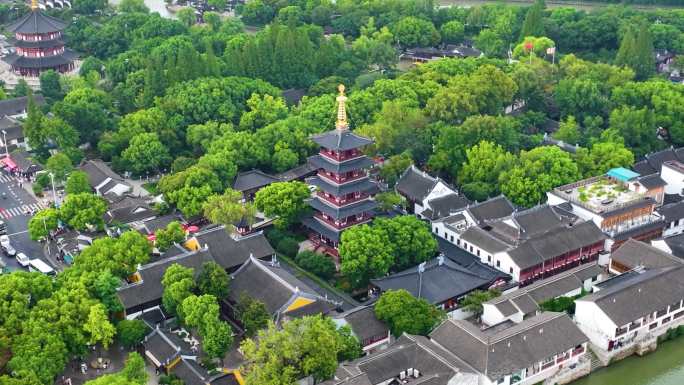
pixel 344 223
pixel 336 179
pixel 336 156
pixel 342 202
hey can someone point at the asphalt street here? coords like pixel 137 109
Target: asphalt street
pixel 12 208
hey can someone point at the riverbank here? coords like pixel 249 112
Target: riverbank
pixel 584 5
pixel 665 366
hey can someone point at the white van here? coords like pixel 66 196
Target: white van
pixel 41 267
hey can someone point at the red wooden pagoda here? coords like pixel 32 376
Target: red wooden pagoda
pixel 344 196
pixel 39 45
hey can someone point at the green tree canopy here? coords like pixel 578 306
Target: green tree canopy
pixel 536 172
pixel 284 200
pixel 252 314
pixel 82 210
pixel 77 183
pixel 179 284
pixel 42 223
pixel 411 239
pixel 473 301
pixel 365 253
pixel 479 175
pixel 405 313
pixel 414 32
pixel 304 346
pixel 213 280
pixel 228 208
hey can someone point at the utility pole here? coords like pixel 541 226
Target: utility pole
pixel 4 140
pixel 54 193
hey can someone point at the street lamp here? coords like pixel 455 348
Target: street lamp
pixel 4 140
pixel 54 193
pixel 47 238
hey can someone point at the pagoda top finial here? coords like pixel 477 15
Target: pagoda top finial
pixel 34 5
pixel 341 124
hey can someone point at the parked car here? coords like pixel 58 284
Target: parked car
pixel 3 228
pixel 6 246
pixel 23 259
pixel 40 266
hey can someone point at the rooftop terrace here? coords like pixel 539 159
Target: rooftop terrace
pixel 599 194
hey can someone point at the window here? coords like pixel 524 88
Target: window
pixel 489 258
pixel 452 239
pixel 458 241
pixel 498 263
pixel 478 252
pixel 436 231
pixel 510 270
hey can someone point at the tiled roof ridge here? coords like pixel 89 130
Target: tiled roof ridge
pixel 539 319
pixel 433 353
pixel 262 267
pixel 174 258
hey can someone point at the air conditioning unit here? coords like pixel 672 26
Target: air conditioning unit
pixel 402 375
pixel 416 373
pixel 410 371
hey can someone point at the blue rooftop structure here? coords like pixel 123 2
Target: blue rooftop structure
pixel 622 174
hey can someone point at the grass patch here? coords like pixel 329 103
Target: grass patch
pixel 151 188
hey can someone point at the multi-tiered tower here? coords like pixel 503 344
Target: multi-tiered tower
pixel 345 191
pixel 39 45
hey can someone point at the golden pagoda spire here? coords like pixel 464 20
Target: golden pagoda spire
pixel 341 124
pixel 34 5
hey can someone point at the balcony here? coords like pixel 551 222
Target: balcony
pixel 336 156
pixel 341 179
pixel 347 222
pixel 341 201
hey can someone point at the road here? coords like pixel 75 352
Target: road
pixel 12 213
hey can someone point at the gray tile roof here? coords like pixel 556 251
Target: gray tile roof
pixel 494 208
pixel 36 22
pixel 340 140
pixel 436 365
pixel 318 161
pixel 651 181
pixel 537 220
pixel 98 171
pixel 672 211
pixel 190 372
pixel 364 323
pixel 230 252
pixel 344 211
pixel 150 288
pixel 438 283
pixel 253 179
pixel 483 239
pixel 446 205
pixel 676 245
pixel 272 285
pixel 415 184
pixel 502 352
pixel 361 185
pixel 635 253
pixel 640 294
pixel 12 128
pixel 322 228
pixel 525 303
pixel 18 106
pixel 546 289
pixel 129 214
pixel 556 242
pixel 298 172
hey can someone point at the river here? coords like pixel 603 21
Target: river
pixel 665 366
pixel 579 4
pixel 154 6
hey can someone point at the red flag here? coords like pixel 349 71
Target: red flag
pixel 529 46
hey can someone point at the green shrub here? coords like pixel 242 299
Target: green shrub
pixel 288 246
pixel 37 189
pixel 318 264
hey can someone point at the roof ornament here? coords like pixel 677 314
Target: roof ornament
pixel 34 5
pixel 341 124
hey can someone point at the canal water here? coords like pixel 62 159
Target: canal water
pixel 665 366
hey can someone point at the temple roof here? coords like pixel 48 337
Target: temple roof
pixel 41 62
pixel 320 161
pixel 38 43
pixel 36 22
pixel 340 140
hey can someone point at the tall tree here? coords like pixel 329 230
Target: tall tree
pixel 405 313
pixel 534 23
pixel 213 280
pixel 365 253
pixel 284 200
pixel 479 175
pixel 99 327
